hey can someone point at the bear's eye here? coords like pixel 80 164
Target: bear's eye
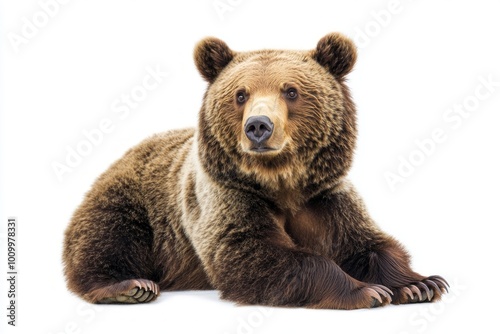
pixel 291 93
pixel 241 97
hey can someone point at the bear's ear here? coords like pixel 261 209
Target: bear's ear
pixel 211 55
pixel 337 53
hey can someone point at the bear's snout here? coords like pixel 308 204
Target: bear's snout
pixel 258 129
pixel 263 126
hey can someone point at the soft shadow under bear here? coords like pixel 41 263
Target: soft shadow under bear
pixel 253 202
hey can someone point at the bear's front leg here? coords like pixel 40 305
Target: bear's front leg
pixel 249 257
pixel 370 255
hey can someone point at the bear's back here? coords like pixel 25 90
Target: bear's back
pixel 164 155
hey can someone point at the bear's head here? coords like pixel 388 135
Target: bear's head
pixel 277 120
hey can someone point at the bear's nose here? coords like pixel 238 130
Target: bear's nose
pixel 258 129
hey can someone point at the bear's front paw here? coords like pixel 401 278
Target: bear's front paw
pixel 364 295
pixel 429 289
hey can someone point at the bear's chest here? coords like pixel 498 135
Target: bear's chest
pixel 310 230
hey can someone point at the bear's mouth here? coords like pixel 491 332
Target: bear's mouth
pixel 262 149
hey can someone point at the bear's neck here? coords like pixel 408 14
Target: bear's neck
pixel 289 200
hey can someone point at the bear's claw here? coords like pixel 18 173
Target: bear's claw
pixel 441 282
pixel 380 294
pixel 425 290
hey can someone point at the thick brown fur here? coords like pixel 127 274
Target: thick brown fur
pixel 272 223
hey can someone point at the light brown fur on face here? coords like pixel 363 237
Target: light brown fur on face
pixel 254 202
pixel 272 106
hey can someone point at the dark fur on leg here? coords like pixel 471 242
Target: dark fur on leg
pixel 109 243
pixel 369 255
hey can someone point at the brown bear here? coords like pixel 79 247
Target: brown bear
pixel 254 202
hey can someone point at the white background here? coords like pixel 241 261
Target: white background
pixel 413 66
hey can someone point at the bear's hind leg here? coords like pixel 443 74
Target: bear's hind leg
pixel 108 248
